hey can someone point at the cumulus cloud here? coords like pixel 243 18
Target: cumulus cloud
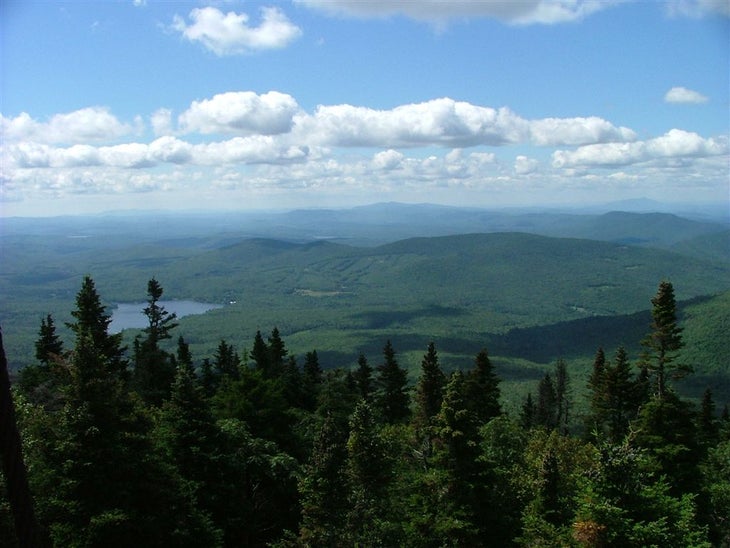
pixel 230 33
pixel 439 122
pixel 673 145
pixel 164 150
pixel 242 112
pixel 577 131
pixel 445 122
pixel 684 95
pixel 95 124
pixel 525 12
pixel 525 165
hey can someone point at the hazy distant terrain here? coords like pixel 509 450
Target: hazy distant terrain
pixel 528 285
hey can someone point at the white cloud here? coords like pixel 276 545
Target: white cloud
pixel 445 122
pixel 95 124
pixel 698 8
pixel 524 12
pixel 577 131
pixel 673 145
pixel 230 33
pixel 684 95
pixel 241 112
pixel 161 121
pixel 442 122
pixel 388 159
pixel 525 165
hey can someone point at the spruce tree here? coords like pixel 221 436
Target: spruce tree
pixel 363 376
pixel 547 404
pixel 429 390
pixel 323 487
pixel 663 343
pixel 368 476
pixel 277 353
pixel 562 396
pixel 92 320
pixel 619 399
pixel 311 378
pixel 49 346
pixel 482 389
pixel 154 369
pixel 528 413
pixel 260 353
pixel 595 418
pixel 39 381
pixel 391 381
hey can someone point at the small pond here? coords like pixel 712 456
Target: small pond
pixel 130 315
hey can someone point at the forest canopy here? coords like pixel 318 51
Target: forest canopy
pixel 254 447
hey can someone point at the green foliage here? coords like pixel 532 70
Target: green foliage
pixel 391 397
pixel 268 454
pixel 663 343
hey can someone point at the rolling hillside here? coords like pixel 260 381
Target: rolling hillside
pixel 529 298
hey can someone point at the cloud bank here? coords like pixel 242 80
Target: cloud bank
pixel 265 143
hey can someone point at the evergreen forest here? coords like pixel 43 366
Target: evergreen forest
pixel 147 444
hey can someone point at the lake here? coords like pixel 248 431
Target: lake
pixel 129 315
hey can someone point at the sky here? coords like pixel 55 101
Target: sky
pixel 236 105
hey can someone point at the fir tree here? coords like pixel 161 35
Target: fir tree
pixel 311 380
pixel 93 321
pixel 562 396
pixel 226 361
pixel 663 343
pixel 323 487
pixel 368 471
pixel 482 389
pixel 49 346
pixel 260 353
pixel 392 396
pixel 620 404
pixel 39 381
pixel 429 390
pixel 363 376
pixel 154 369
pixel 277 352
pixel 547 405
pixel 528 413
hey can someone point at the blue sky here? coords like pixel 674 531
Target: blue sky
pixel 326 103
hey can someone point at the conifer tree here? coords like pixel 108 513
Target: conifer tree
pixel 312 378
pixel 368 471
pixel 392 396
pixel 363 376
pixel 596 394
pixel 260 353
pixel 528 413
pixel 38 380
pixel 323 487
pixel 49 345
pixel 154 369
pixel 277 352
pixel 226 361
pixel 429 390
pixel 663 343
pixel 562 396
pixel 482 389
pixel 92 320
pixel 619 398
pixel 547 405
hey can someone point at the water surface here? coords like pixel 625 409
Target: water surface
pixel 129 315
